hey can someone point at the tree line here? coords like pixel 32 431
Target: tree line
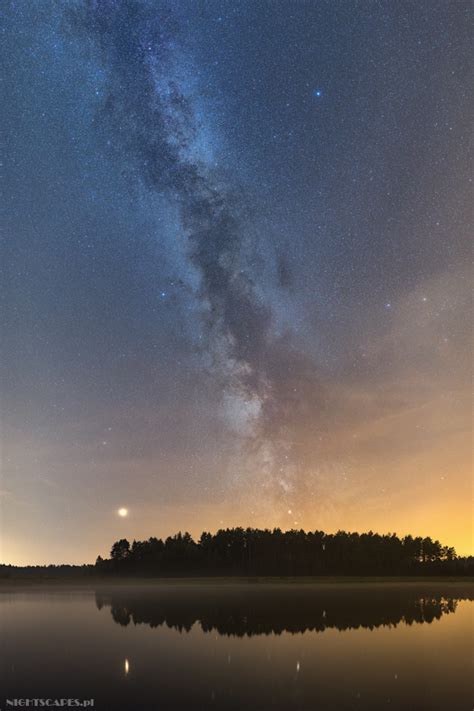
pixel 250 551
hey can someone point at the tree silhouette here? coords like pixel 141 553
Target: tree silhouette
pixel 256 552
pixel 120 550
pixel 239 551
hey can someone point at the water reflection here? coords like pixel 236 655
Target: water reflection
pixel 227 647
pixel 249 611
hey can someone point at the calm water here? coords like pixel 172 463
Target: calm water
pixel 237 646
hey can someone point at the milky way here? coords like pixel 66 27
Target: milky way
pixel 149 102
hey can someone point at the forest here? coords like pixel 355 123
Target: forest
pixel 257 552
pixel 250 551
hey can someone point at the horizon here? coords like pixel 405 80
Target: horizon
pixel 237 271
pixel 196 536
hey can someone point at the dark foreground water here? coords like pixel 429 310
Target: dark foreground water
pixel 241 646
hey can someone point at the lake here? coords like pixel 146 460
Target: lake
pixel 256 646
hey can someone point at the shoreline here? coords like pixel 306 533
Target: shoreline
pixel 19 583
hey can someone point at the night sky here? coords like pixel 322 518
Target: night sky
pixel 236 284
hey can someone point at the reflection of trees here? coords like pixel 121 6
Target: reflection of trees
pixel 121 615
pixel 244 611
pixel 429 609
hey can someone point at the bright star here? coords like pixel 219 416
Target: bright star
pixel 123 512
pixel 318 92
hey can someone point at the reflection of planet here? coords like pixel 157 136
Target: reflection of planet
pixel 123 512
